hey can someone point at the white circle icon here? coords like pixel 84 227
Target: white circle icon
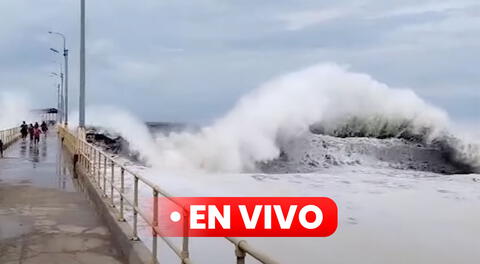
pixel 175 216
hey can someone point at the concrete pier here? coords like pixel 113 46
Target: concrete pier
pixel 44 216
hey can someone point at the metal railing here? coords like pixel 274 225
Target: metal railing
pixel 103 172
pixel 9 135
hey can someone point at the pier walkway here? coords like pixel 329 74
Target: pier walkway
pixel 44 216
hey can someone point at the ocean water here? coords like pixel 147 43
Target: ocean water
pixel 385 215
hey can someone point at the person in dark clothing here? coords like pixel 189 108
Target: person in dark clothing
pixel 44 128
pixel 24 130
pixel 36 125
pixel 1 148
pixel 30 132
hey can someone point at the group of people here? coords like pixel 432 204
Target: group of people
pixel 34 130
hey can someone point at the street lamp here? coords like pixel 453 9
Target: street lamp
pixel 61 109
pixel 65 55
pixel 59 96
pixel 81 119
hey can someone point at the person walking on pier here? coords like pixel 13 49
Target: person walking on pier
pixel 44 128
pixel 30 131
pixel 24 130
pixel 1 148
pixel 36 134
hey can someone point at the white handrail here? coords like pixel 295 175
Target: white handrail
pixel 9 135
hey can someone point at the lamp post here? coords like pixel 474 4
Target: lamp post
pixel 81 119
pixel 65 55
pixel 61 98
pixel 57 85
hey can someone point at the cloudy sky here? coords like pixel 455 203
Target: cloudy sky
pixel 191 60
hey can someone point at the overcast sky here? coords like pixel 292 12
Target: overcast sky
pixel 191 60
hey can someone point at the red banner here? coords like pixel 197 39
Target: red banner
pixel 246 216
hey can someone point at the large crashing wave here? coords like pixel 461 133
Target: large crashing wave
pixel 324 97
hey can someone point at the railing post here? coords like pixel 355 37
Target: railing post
pixel 99 169
pixel 85 157
pixel 94 159
pixel 105 176
pixel 155 224
pixel 111 184
pixel 89 160
pixel 240 253
pixel 122 192
pixel 135 205
pixel 90 154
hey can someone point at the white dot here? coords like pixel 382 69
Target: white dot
pixel 175 216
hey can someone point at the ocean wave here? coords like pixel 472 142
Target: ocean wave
pixel 327 99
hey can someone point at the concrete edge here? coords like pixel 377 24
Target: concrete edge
pixel 135 252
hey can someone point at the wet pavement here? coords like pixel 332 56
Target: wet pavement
pixel 44 217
